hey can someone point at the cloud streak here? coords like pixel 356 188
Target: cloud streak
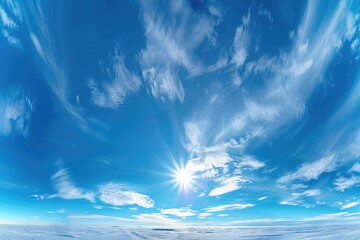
pixel 122 84
pixel 15 109
pixel 236 206
pixel 169 48
pixel 119 195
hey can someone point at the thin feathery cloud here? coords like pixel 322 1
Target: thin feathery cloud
pixel 312 170
pixel 119 195
pixel 148 219
pixel 297 198
pixel 350 205
pixel 121 84
pixel 66 189
pixel 178 212
pixel 156 219
pixel 110 193
pixel 228 184
pixel 10 25
pixel 204 215
pixel 169 48
pixel 236 206
pixel 49 57
pixel 15 109
pixel 343 183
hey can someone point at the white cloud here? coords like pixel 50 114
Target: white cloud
pixel 311 193
pixel 250 162
pixel 122 84
pixel 350 205
pixel 9 26
pixel 99 217
pixel 110 193
pixel 118 195
pixel 6 20
pixel 178 212
pixel 193 135
pixel 15 109
pixel 262 198
pixel 61 211
pixel 66 189
pixel 341 217
pixel 289 80
pixel 98 207
pixel 149 219
pixel 215 163
pixel 236 206
pixel 312 170
pixel 343 183
pixel 265 12
pixel 298 186
pixel 204 215
pixel 355 167
pixel 259 221
pixel 240 45
pixel 211 165
pixel 169 48
pixel 223 215
pixel 290 77
pixel 296 198
pixel 11 39
pixel 38 196
pixel 49 57
pixel 241 42
pixel 228 185
pixel 156 219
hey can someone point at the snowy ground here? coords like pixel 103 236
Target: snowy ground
pixel 284 232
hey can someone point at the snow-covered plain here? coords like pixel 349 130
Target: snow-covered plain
pixel 102 233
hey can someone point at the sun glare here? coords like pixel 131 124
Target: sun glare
pixel 183 178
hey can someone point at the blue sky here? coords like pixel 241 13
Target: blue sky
pixel 178 113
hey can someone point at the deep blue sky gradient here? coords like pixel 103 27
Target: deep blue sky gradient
pixel 101 102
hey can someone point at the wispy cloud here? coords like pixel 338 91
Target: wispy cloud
pixel 178 212
pixel 118 195
pixel 228 185
pixel 111 193
pixel 168 47
pixel 236 206
pixel 355 167
pixel 266 13
pixel 61 211
pixel 343 183
pixel 15 109
pixel 204 215
pixel 148 219
pixel 341 216
pixel 99 217
pixel 312 170
pixel 241 43
pixel 156 219
pixel 296 198
pixel 9 24
pixel 215 163
pixel 66 189
pixel 47 45
pixel 329 217
pixel 350 205
pixel 6 20
pixel 120 85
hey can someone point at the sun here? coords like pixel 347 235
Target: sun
pixel 183 178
